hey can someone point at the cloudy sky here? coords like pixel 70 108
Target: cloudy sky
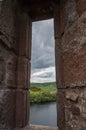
pixel 43 52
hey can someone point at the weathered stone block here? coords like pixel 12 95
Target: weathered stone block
pixel 8 32
pixel 25 35
pixel 1 71
pixel 76 124
pixel 63 21
pixel 7 109
pixel 81 6
pixel 11 72
pixel 22 108
pixel 82 102
pixel 75 111
pixel 28 108
pixel 57 23
pixel 72 95
pixel 63 17
pixel 71 12
pixel 61 109
pixel 59 63
pixel 74 54
pixel 23 73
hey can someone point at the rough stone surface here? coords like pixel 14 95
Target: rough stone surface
pixel 7 109
pixel 63 15
pixel 23 73
pixel 11 72
pixel 74 108
pixel 1 70
pixel 8 68
pixel 59 63
pixel 75 111
pixel 22 108
pixel 25 29
pixel 68 14
pixel 81 6
pixel 61 109
pixel 8 64
pixel 72 95
pixel 8 24
pixel 74 53
pixel 71 12
pixel 58 49
pixel 70 47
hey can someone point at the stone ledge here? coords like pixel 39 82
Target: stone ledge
pixel 37 127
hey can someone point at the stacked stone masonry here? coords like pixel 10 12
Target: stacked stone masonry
pixel 15 37
pixel 71 83
pixel 8 66
pixel 70 56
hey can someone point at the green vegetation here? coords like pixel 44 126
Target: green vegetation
pixel 42 92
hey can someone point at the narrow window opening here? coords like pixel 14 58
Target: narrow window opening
pixel 43 78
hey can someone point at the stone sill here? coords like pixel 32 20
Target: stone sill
pixel 37 127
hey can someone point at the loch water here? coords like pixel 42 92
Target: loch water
pixel 43 114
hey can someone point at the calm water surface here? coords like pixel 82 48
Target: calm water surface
pixel 43 114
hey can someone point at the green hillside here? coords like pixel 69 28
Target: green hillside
pixel 42 92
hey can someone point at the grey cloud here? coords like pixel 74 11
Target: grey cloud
pixel 43 45
pixel 46 75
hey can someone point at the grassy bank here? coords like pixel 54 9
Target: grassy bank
pixel 42 93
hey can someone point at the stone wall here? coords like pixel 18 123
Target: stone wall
pixel 23 77
pixel 8 24
pixel 15 43
pixel 71 65
pixel 8 65
pixel 15 56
